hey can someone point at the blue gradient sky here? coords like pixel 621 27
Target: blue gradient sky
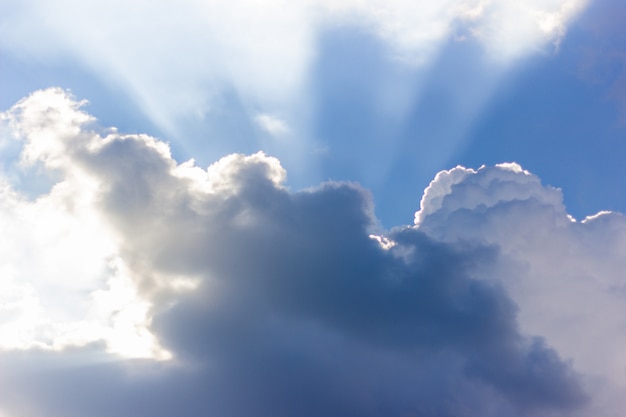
pixel 243 208
pixel 367 114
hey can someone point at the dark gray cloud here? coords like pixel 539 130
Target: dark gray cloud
pixel 296 309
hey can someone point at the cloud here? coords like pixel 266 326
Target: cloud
pixel 270 301
pixel 507 29
pixel 262 50
pixel 199 73
pixel 564 275
pixel 271 124
pixel 63 282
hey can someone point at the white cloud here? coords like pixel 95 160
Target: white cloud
pixel 272 124
pixel 565 276
pixel 512 29
pixel 61 269
pixel 264 50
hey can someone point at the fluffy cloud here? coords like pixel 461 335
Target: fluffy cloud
pixel 63 282
pixel 566 276
pixel 273 302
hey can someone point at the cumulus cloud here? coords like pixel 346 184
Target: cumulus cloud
pixel 565 276
pixel 277 302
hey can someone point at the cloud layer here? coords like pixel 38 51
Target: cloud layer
pixel 273 302
pixel 263 51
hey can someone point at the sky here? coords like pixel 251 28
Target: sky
pixel 268 208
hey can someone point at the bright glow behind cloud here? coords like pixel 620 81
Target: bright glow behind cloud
pixel 64 282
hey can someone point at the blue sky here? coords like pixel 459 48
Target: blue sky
pixel 312 209
pixel 405 120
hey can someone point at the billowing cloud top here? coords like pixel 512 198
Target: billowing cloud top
pixel 247 299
